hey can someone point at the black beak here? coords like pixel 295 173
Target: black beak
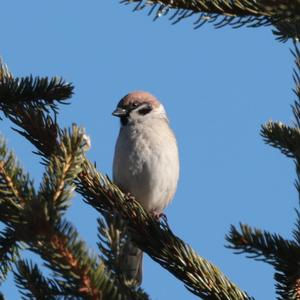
pixel 119 112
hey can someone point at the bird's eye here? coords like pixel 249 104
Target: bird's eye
pixel 134 104
pixel 145 110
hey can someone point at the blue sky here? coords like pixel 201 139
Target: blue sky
pixel 218 87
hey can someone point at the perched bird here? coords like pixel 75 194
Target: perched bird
pixel 146 162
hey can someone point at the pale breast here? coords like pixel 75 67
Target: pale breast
pixel 146 164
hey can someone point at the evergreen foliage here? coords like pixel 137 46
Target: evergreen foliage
pixel 282 254
pixel 34 219
pixel 283 15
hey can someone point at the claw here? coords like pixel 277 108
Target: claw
pixel 129 197
pixel 158 215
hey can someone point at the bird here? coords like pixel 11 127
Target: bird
pixel 145 164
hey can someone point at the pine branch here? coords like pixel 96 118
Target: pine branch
pixel 262 245
pixel 63 167
pixel 112 239
pixel 32 284
pixel 113 236
pixel 286 29
pixel 19 90
pixel 33 90
pixel 30 218
pixel 79 273
pixel 33 225
pixel 220 13
pixel 43 126
pixel 234 8
pixel 87 271
pixel 296 77
pixel 58 243
pixel 296 231
pixel 15 188
pixel 31 112
pixel 283 254
pixel 83 275
pixel 201 278
pixel 236 13
pixel 284 15
pixel 283 137
pixel 9 251
pixel 156 239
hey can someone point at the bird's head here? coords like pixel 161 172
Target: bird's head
pixel 138 107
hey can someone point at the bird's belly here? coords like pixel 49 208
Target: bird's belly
pixel 151 181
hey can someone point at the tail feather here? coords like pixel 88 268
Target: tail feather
pixel 132 263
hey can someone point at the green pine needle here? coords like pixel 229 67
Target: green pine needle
pixel 57 185
pixel 9 251
pixel 16 189
pixel 32 284
pixel 156 239
pixel 284 15
pixel 40 91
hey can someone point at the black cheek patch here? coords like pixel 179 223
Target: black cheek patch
pixel 124 120
pixel 145 110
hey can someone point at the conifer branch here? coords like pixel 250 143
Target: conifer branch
pixel 32 284
pixel 16 189
pixel 36 90
pixel 156 238
pixel 199 276
pixel 284 15
pixel 229 288
pixel 220 13
pixel 113 236
pixel 38 127
pixel 13 182
pixel 296 231
pixel 57 242
pixel 262 245
pixel 62 169
pixel 287 28
pixel 9 251
pixel 111 240
pixel 282 254
pixel 296 77
pixel 234 8
pixel 283 137
pixel 79 274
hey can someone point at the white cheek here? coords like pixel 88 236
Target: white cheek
pixel 137 117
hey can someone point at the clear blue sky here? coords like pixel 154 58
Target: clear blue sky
pixel 218 87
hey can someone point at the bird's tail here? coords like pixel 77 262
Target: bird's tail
pixel 132 263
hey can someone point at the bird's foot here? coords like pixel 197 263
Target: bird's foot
pixel 158 215
pixel 129 197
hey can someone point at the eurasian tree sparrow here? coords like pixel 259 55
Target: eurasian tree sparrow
pixel 146 162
